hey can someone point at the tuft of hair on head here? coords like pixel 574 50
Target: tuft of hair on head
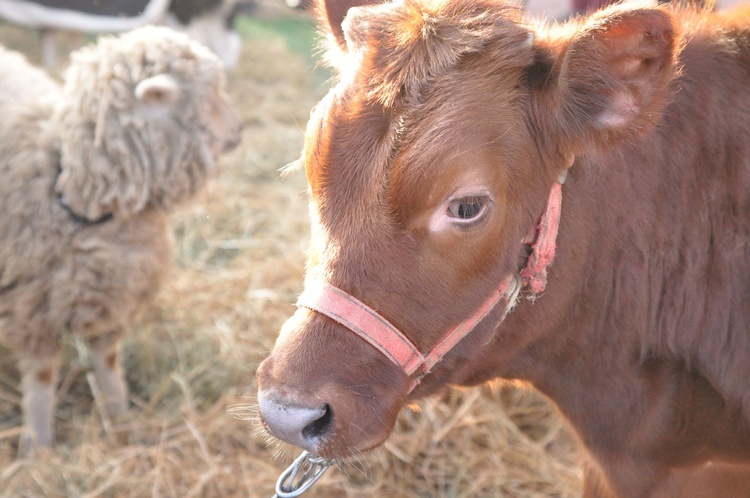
pixel 407 43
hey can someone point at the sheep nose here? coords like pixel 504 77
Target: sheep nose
pixel 300 425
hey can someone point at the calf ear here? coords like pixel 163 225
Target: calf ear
pixel 615 75
pixel 331 14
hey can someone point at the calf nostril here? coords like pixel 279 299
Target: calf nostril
pixel 318 428
pixel 297 424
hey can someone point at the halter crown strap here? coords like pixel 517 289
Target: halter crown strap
pixel 534 275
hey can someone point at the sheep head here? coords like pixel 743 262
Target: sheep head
pixel 142 122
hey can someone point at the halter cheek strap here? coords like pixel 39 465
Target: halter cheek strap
pixel 394 345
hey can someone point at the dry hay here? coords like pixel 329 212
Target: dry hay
pixel 192 356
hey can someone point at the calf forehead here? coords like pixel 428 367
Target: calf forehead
pixel 463 113
pixel 347 155
pixel 415 76
pixel 367 166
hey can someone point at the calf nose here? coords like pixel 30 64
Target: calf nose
pixel 300 425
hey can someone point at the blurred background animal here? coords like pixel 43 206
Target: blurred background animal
pixel 210 22
pixel 90 170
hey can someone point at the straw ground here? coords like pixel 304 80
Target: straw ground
pixel 238 267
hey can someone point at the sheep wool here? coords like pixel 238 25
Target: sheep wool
pixel 91 169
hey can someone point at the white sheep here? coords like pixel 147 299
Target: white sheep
pixel 88 174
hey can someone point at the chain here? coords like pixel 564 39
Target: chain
pixel 300 475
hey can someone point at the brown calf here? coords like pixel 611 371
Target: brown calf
pixel 431 160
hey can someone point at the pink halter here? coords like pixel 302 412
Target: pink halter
pixel 391 342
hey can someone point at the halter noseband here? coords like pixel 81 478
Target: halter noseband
pixel 348 311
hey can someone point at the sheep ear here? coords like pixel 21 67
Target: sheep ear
pixel 615 74
pixel 161 89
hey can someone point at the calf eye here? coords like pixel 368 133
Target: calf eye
pixel 466 208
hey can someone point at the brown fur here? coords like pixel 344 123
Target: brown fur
pixel 89 150
pixel 642 336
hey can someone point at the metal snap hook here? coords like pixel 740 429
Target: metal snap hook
pixel 300 475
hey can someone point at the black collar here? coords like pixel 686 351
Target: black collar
pixel 81 220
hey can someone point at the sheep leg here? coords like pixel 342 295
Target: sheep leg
pixel 38 383
pixel 109 377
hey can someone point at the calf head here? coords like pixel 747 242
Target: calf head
pixel 428 163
